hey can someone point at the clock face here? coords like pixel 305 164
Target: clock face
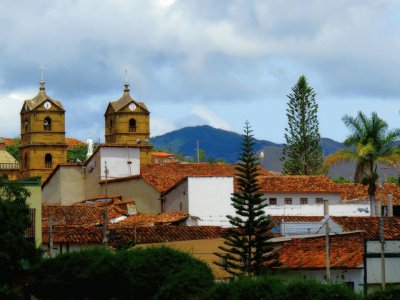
pixel 47 105
pixel 132 106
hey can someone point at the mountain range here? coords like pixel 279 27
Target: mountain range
pixel 223 144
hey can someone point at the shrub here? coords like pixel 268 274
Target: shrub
pixel 244 288
pixel 390 293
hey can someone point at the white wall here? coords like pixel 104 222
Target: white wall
pixel 280 197
pixel 177 196
pixel 317 210
pixel 117 161
pixel 209 199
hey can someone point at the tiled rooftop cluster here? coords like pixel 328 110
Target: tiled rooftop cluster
pixel 346 252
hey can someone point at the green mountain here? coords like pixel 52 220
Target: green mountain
pixel 222 144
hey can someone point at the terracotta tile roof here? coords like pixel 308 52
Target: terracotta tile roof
pixel 151 219
pixel 76 215
pixel 71 142
pixel 357 192
pixel 165 176
pixel 309 253
pixel 370 225
pixel 8 141
pixel 140 235
pixel 296 183
pixel 162 154
pixel 278 219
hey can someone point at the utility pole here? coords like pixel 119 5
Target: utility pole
pixel 51 235
pixel 382 238
pixel 327 245
pixel 198 151
pixel 105 227
pixel 106 175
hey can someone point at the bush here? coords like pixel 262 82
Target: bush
pixel 313 290
pixel 257 288
pixel 390 293
pixel 152 273
pixel 163 273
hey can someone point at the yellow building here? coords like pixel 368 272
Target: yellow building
pixel 33 185
pixel 43 135
pixel 128 122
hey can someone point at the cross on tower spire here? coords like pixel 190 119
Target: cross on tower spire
pixel 42 88
pixel 126 89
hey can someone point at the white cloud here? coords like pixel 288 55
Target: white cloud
pixel 10 107
pixel 159 126
pixel 212 118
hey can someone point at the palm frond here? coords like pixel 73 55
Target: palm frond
pixel 343 155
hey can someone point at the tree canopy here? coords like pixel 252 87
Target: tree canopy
pixel 302 154
pixel 370 143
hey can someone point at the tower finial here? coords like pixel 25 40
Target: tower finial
pixel 42 88
pixel 126 89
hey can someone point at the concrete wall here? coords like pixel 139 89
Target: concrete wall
pixel 177 199
pixel 117 161
pixel 51 192
pixel 72 185
pixel 317 210
pixel 210 199
pixel 92 178
pixel 146 197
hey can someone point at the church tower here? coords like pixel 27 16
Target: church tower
pixel 127 122
pixel 42 134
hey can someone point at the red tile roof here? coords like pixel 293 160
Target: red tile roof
pixel 296 183
pixel 71 142
pixel 162 154
pixel 76 215
pixel 139 235
pixel 370 225
pixel 357 192
pixel 346 251
pixel 154 219
pixel 165 177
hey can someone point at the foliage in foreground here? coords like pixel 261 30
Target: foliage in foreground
pixel 16 251
pixel 390 293
pixel 151 273
pixel 260 288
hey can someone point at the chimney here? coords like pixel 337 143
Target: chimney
pixel 389 205
pixel 326 208
pixel 378 208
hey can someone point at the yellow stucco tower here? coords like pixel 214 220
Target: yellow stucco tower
pixel 43 135
pixel 127 122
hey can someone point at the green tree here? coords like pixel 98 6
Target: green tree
pixel 77 153
pixel 341 179
pixel 370 143
pixel 16 251
pixel 13 149
pixel 246 241
pixel 302 154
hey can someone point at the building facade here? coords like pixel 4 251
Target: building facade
pixel 43 135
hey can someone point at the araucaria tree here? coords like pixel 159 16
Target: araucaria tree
pixel 246 241
pixel 302 154
pixel 370 143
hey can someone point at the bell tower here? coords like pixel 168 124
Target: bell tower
pixel 42 134
pixel 127 122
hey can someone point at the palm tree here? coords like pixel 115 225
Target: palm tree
pixel 370 143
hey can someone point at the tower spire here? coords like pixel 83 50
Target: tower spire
pixel 126 84
pixel 42 88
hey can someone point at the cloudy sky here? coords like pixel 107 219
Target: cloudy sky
pixel 201 62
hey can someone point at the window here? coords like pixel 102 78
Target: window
pixel 26 125
pixel 26 161
pixel 47 124
pixel 48 160
pixel 132 125
pixel 272 201
pixel 303 201
pixel 288 201
pixel 319 200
